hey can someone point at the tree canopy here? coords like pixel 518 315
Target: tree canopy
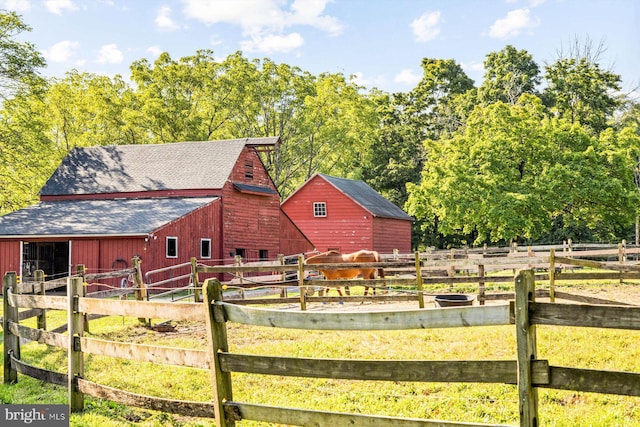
pixel 525 156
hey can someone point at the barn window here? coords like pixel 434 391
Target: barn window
pixel 264 255
pixel 205 248
pixel 248 170
pixel 172 247
pixel 319 209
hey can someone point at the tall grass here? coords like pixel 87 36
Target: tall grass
pixel 489 403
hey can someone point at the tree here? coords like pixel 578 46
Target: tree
pixel 431 105
pixel 508 74
pixel 338 128
pixel 514 173
pixel 579 90
pixel 86 110
pixel 27 157
pixel 191 99
pixel 19 61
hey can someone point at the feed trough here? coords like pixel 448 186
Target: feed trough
pixel 454 300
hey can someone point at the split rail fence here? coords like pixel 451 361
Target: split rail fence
pixel 412 277
pixel 527 372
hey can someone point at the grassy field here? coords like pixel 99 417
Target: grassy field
pixel 489 403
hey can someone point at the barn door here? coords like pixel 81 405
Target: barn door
pixel 50 257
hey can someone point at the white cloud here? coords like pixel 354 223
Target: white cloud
pixel 359 79
pixel 57 6
pixel 19 6
pixel 154 50
pixel 264 22
pixel 407 76
pixel 163 20
pixel 512 24
pixel 273 43
pixel 426 28
pixel 309 12
pixel 110 54
pixel 61 51
pixel 472 66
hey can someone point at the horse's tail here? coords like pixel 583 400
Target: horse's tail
pixel 376 256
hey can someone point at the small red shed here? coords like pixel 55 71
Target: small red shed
pixel 164 203
pixel 348 215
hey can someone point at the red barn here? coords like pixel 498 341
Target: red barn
pixel 164 203
pixel 348 215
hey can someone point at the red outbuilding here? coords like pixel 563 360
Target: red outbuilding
pixel 348 215
pixel 165 203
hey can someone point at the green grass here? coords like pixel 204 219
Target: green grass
pixel 488 403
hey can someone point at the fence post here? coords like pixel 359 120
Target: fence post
pixel 195 280
pixel 303 289
pixel 10 314
pixel 481 290
pixel 80 271
pixel 217 332
pixel 526 343
pixel 76 359
pixel 283 277
pixel 42 317
pixel 419 280
pixel 621 256
pixel 552 275
pixel 451 272
pixel 138 283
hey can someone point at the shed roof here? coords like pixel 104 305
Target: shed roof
pixel 119 217
pixel 367 197
pixel 148 167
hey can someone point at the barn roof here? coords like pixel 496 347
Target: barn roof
pixel 148 167
pixel 367 197
pixel 119 217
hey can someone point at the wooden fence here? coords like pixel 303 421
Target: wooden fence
pixel 414 273
pixel 527 372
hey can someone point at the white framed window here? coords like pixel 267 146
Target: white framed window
pixel 319 209
pixel 205 248
pixel 172 247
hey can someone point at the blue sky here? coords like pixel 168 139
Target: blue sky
pixel 380 42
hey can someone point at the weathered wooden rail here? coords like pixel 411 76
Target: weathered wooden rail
pixel 527 372
pixel 416 272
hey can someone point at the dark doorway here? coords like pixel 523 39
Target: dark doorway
pixel 50 257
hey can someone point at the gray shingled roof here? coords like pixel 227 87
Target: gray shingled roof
pixel 134 168
pixel 97 217
pixel 367 197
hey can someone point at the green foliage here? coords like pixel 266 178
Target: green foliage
pixel 495 163
pixel 581 92
pixel 509 74
pixel 19 61
pixel 513 173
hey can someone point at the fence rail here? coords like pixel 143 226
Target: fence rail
pixel 527 372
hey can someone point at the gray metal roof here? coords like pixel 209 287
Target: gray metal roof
pixel 134 168
pixel 97 217
pixel 367 197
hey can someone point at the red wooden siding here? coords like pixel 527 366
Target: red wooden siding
pixel 250 222
pixel 10 256
pixel 203 223
pixel 290 237
pixel 347 227
pixel 390 234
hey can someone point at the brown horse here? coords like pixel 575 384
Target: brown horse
pixel 335 257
